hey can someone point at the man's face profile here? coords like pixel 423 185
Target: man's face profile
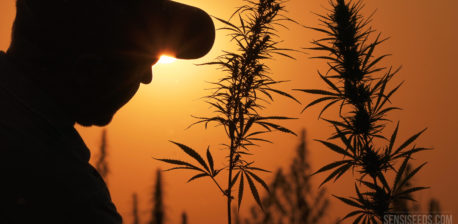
pixel 94 57
pixel 110 81
pixel 78 62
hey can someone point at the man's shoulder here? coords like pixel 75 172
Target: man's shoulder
pixel 46 170
pixel 27 115
pixel 19 125
pixel 44 161
pixel 17 118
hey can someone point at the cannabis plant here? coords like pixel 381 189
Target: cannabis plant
pixel 291 199
pixel 239 97
pixel 101 164
pixel 184 218
pixel 157 211
pixel 360 89
pixel 135 213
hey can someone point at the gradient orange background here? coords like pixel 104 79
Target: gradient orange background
pixel 423 40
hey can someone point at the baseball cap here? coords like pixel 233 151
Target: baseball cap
pixel 188 31
pixel 151 27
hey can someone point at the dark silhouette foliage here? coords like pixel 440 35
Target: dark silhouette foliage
pixel 291 199
pixel 238 98
pixel 406 206
pixel 434 206
pixel 101 164
pixel 360 87
pixel 135 213
pixel 184 218
pixel 157 212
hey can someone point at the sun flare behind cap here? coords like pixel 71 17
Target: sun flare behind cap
pixel 188 31
pixel 148 28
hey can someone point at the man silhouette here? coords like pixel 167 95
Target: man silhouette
pixel 77 61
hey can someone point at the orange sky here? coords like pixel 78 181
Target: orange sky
pixel 423 40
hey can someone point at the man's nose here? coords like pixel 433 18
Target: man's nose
pixel 147 76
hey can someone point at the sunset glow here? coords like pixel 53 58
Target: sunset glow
pixel 423 41
pixel 166 59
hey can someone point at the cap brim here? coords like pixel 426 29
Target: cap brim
pixel 189 32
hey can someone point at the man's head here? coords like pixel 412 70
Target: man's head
pixel 92 55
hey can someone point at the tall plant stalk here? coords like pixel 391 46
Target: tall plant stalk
pixel 291 199
pixel 135 215
pixel 157 212
pixel 184 218
pixel 360 86
pixel 101 164
pixel 238 97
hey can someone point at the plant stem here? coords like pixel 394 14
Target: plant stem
pixel 219 187
pixel 229 183
pixel 237 96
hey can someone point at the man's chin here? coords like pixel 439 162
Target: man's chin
pixel 99 121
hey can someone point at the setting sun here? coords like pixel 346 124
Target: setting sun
pixel 166 59
pixel 110 50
